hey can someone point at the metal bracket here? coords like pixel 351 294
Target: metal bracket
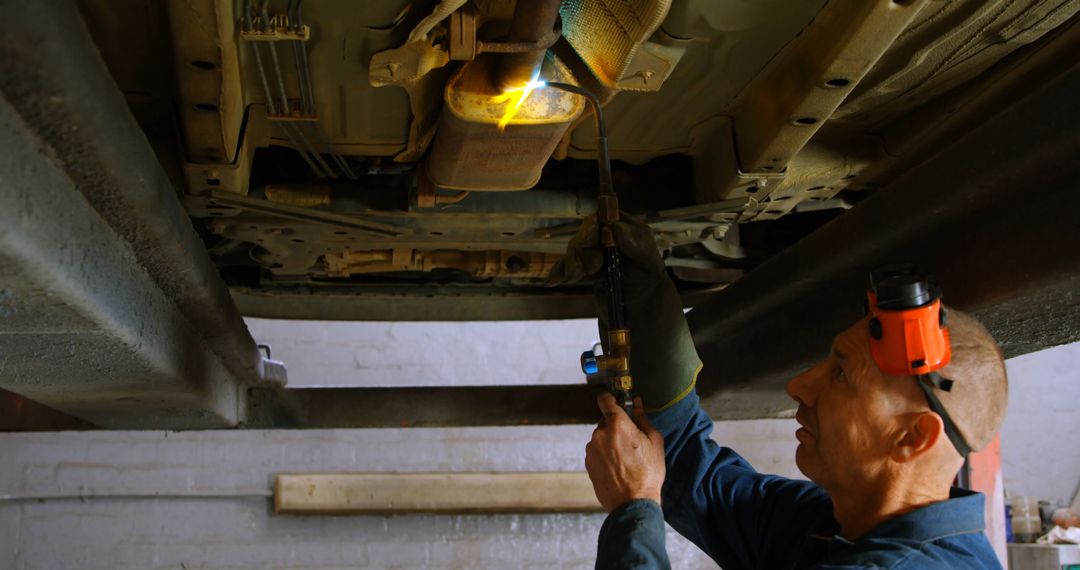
pixel 652 63
pixel 462 36
pixel 230 177
pixel 463 44
pixel 279 31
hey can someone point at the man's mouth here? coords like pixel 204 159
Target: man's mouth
pixel 804 431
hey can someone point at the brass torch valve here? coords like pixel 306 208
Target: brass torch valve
pixel 613 367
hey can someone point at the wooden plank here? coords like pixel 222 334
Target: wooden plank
pixel 389 493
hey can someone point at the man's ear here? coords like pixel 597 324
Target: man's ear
pixel 923 430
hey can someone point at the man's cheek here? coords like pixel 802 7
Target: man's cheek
pixel 801 460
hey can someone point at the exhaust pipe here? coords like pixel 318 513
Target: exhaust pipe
pixel 533 20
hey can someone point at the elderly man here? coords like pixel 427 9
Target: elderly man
pixel 880 459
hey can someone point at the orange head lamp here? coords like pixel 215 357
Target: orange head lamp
pixel 909 335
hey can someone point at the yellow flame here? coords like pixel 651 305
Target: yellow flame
pixel 514 98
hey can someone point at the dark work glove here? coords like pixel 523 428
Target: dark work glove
pixel 663 361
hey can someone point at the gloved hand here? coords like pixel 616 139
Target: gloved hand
pixel 663 361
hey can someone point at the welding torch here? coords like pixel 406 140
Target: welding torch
pixel 615 362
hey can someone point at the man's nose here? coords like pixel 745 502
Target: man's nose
pixel 803 388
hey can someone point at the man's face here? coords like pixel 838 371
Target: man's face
pixel 849 412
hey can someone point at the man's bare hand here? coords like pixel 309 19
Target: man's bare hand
pixel 625 458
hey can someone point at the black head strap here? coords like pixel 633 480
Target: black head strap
pixel 927 383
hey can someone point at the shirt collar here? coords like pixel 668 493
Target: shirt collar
pixel 962 513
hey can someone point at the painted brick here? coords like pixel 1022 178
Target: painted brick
pixel 1038 438
pixel 418 354
pixel 240 532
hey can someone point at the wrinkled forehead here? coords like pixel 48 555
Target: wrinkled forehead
pixel 853 345
pixel 854 342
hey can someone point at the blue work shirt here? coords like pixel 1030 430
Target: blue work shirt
pixel 745 519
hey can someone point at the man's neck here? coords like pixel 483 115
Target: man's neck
pixel 860 511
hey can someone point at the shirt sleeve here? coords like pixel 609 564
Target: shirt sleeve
pixel 715 498
pixel 632 537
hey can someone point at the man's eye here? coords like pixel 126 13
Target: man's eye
pixel 838 375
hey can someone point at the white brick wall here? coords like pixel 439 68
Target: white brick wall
pixel 235 529
pixel 1040 440
pixel 324 353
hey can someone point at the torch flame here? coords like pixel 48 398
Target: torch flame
pixel 514 98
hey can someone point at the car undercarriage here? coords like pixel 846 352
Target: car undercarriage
pixel 357 147
pixel 403 160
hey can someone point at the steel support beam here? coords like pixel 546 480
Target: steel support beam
pixel 435 406
pixel 424 303
pixel 110 309
pixel 84 329
pixel 55 79
pixel 994 216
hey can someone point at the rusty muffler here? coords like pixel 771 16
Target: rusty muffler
pixel 472 150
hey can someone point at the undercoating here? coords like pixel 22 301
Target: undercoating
pixel 63 91
pixel 118 315
pixel 86 331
